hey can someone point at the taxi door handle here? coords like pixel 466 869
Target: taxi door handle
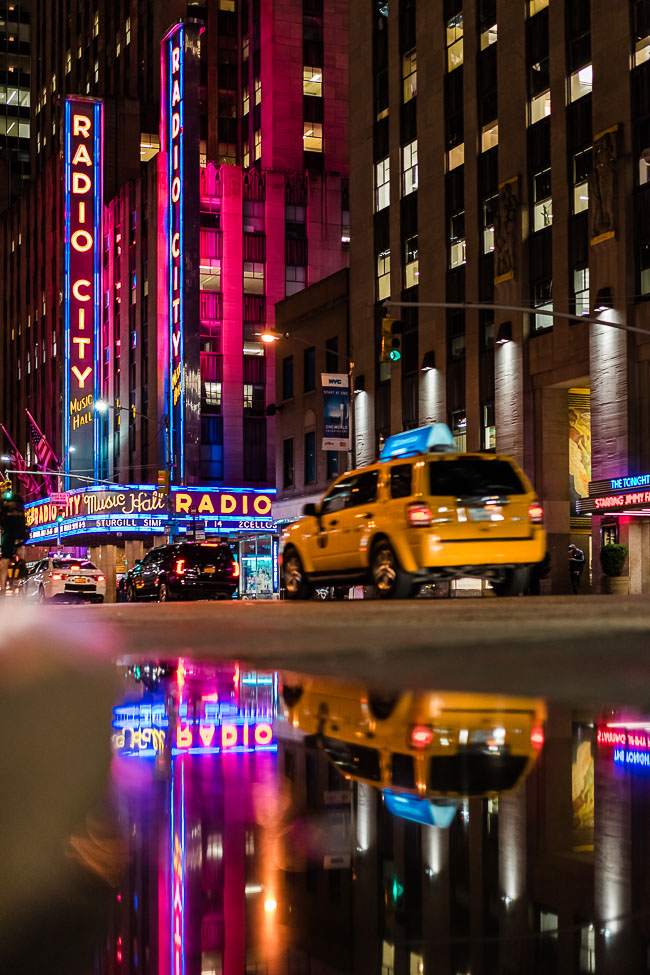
pixel 334 521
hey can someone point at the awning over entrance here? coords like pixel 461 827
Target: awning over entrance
pixel 131 511
pixel 625 495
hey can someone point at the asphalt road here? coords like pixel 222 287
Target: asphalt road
pixel 592 650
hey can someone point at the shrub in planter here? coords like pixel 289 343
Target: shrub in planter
pixel 612 559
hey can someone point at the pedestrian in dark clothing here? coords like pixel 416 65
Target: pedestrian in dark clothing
pixel 576 567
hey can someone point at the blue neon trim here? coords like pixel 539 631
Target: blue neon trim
pixel 98 188
pixel 224 490
pixel 181 205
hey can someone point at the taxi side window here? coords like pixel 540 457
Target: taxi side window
pixel 364 489
pixel 337 498
pixel 400 480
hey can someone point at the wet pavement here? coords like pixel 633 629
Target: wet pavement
pixel 350 795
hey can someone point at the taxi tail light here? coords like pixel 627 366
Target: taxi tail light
pixel 57 576
pixel 536 513
pixel 235 570
pixel 537 736
pixel 421 736
pixel 101 579
pixel 419 515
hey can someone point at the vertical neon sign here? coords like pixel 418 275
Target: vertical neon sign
pixel 83 187
pixel 178 869
pixel 175 190
pixel 180 209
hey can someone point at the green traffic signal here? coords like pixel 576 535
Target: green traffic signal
pixel 395 354
pixel 59 519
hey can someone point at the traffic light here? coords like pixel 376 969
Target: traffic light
pixel 390 344
pixel 163 482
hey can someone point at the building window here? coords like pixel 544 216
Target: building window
pixel 212 394
pixel 332 464
pixel 489 429
pixel 489 216
pixel 641 28
pixel 459 430
pixel 313 136
pixel 246 150
pixel 127 30
pixel 309 370
pixel 245 100
pixel 489 136
pixel 456 157
pixel 312 81
pixel 310 457
pixel 409 76
pixel 382 184
pixel 410 167
pixel 457 240
pixel 581 170
pixel 254 396
pixel 539 107
pixel 210 276
pixel 581 290
pixel 644 267
pixel 287 462
pixel 542 202
pixel 455 41
pixel 258 90
pixel 587 948
pixel 253 278
pixel 534 6
pixel 287 377
pixel 580 83
pixel 411 272
pixel 96 25
pixel 258 143
pixel 68 62
pixel 383 275
pixel 542 299
pixel 295 279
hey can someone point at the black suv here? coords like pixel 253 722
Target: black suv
pixel 188 570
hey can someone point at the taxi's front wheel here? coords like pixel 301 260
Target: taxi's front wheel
pixel 389 579
pixel 293 577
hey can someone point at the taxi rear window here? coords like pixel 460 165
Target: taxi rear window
pixel 472 477
pixel 353 759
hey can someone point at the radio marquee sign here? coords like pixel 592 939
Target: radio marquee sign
pixel 83 176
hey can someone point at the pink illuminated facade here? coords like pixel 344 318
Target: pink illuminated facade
pixel 262 211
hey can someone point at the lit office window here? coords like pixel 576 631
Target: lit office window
pixel 581 170
pixel 383 275
pixel 246 100
pixel 580 83
pixel 410 167
pixel 542 202
pixel 312 81
pixel 539 107
pixel 411 263
pixel 457 240
pixel 454 34
pixel 581 290
pixel 258 143
pixel 258 90
pixel 382 184
pixel 534 6
pixel 489 136
pixel 253 278
pixel 312 136
pixel 456 157
pixel 409 76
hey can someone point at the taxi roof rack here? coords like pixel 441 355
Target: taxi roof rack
pixel 436 438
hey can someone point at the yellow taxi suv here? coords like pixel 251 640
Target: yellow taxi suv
pixel 421 513
pixel 423 744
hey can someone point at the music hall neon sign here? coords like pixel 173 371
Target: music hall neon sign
pixel 172 124
pixel 630 746
pixel 83 182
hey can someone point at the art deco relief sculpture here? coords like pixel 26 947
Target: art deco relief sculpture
pixel 505 231
pixel 601 185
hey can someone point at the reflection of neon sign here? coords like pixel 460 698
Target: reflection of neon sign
pixel 230 736
pixel 631 745
pixel 178 874
pixel 83 181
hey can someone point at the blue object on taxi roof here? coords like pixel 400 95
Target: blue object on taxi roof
pixel 423 811
pixel 436 438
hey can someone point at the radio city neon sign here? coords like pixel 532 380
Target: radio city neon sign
pixel 236 503
pixel 83 149
pixel 173 136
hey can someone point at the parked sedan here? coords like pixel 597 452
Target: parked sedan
pixel 188 570
pixel 65 578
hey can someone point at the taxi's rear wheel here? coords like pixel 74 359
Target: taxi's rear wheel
pixel 388 578
pixel 513 583
pixel 293 576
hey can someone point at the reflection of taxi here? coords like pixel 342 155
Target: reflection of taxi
pixel 419 743
pixel 422 513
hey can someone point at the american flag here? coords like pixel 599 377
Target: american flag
pixel 45 456
pixel 28 481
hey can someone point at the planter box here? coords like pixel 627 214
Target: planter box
pixel 615 585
